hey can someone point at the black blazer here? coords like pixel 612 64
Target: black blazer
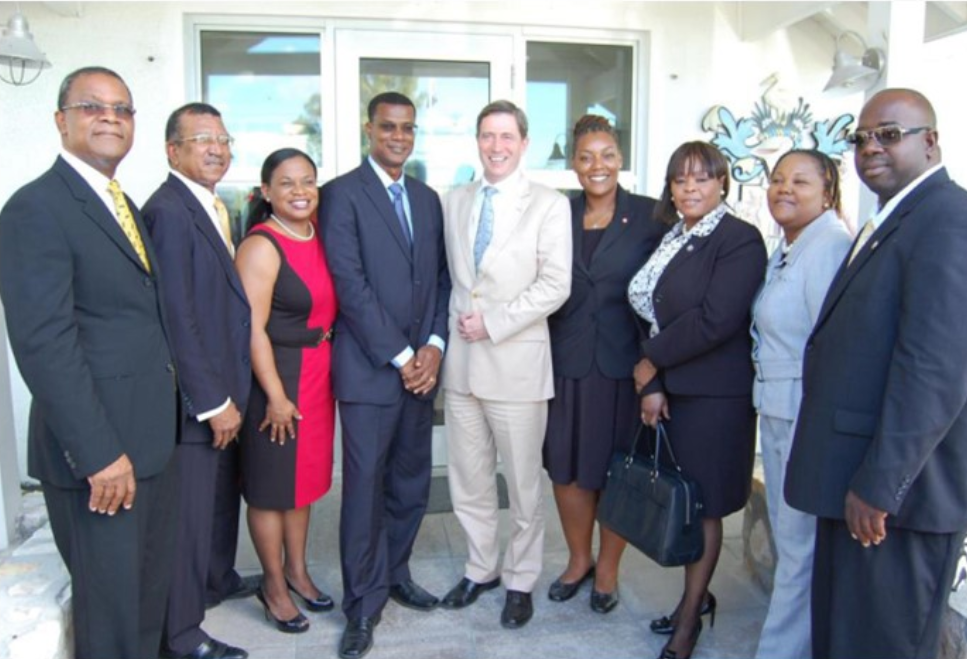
pixel 703 305
pixel 885 373
pixel 87 328
pixel 596 324
pixel 208 312
pixel 390 296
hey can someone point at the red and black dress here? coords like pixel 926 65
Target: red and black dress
pixel 303 310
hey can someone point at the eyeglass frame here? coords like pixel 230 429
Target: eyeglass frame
pixel 207 139
pixel 95 109
pixel 859 138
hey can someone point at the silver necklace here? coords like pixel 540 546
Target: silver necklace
pixel 293 234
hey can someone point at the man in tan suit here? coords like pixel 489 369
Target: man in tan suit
pixel 508 246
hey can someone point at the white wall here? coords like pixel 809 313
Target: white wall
pixel 696 61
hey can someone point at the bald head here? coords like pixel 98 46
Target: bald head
pixel 887 169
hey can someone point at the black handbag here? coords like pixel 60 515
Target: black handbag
pixel 655 507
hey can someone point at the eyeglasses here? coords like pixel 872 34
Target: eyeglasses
pixel 387 127
pixel 884 136
pixel 207 139
pixel 95 109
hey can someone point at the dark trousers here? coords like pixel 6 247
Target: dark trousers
pixel 197 467
pixel 385 486
pixel 222 577
pixel 120 566
pixel 880 602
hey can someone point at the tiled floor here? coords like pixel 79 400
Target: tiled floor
pixel 568 630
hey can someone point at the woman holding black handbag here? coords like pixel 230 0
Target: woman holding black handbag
pixel 695 372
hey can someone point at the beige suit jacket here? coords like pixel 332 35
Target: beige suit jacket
pixel 525 275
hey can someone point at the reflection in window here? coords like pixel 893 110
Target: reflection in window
pixel 447 96
pixel 568 80
pixel 266 85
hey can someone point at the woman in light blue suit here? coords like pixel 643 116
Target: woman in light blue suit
pixel 804 199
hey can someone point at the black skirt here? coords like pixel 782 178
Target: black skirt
pixel 588 420
pixel 714 442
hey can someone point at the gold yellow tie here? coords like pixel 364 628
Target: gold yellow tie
pixel 864 236
pixel 126 220
pixel 225 225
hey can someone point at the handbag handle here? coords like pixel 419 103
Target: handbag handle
pixel 661 437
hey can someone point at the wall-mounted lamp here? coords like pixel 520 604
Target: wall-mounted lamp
pixel 20 59
pixel 851 73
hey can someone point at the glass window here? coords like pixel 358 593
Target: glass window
pixel 568 80
pixel 266 85
pixel 447 96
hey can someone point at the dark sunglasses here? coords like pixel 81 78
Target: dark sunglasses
pixel 884 136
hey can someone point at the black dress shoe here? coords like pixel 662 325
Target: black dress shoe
pixel 357 639
pixel 466 593
pixel 666 624
pixel 409 594
pixel 317 604
pixel 246 587
pixel 212 649
pixel 603 602
pixel 518 609
pixel 561 591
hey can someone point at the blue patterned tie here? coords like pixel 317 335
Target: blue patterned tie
pixel 485 227
pixel 397 191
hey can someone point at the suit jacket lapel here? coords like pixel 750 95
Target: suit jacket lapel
pixel 204 223
pixel 615 230
pixel 98 213
pixel 578 206
pixel 848 270
pixel 464 211
pixel 374 189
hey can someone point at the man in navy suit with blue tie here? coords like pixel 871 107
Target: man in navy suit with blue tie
pixel 383 234
pixel 210 320
pixel 880 449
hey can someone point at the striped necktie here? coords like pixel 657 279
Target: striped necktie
pixel 397 191
pixel 126 220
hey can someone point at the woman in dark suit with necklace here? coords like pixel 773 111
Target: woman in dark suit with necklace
pixel 695 371
pixel 594 348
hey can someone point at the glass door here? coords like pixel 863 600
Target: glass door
pixel 449 78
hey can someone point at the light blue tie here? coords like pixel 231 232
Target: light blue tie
pixel 485 227
pixel 397 191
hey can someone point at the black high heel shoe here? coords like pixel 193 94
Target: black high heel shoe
pixel 295 625
pixel 321 603
pixel 666 624
pixel 672 654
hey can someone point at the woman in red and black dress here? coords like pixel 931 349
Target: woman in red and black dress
pixel 287 437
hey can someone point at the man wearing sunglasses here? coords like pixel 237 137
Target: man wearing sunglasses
pixel 880 450
pixel 80 285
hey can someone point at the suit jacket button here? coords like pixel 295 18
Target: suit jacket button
pixel 246 323
pixel 147 282
pixel 170 367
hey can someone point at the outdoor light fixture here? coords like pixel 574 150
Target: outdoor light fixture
pixel 20 59
pixel 851 73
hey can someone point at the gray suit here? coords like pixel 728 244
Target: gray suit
pixel 782 318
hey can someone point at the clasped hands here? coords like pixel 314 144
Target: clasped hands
pixel 421 371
